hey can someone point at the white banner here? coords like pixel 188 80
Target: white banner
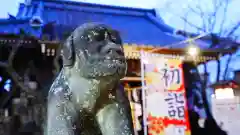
pixel 166 107
pixel 227 114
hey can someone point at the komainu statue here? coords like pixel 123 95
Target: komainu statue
pixel 85 98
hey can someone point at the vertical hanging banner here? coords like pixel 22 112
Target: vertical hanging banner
pixel 166 107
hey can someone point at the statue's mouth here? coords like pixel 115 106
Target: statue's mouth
pixel 105 66
pixel 110 61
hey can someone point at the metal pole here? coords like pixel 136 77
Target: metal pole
pixel 143 96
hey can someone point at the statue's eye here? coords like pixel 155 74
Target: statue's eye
pixel 89 38
pixel 94 36
pixel 99 36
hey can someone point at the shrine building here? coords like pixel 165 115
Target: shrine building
pixel 50 21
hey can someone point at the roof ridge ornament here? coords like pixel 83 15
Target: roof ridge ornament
pixel 27 2
pixel 36 21
pixel 11 17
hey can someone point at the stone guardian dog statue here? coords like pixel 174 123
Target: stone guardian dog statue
pixel 85 98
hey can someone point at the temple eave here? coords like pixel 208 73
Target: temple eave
pixel 133 51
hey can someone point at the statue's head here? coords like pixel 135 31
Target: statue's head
pixel 94 51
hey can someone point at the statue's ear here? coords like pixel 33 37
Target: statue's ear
pixel 68 53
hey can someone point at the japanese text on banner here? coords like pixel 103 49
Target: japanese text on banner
pixel 165 97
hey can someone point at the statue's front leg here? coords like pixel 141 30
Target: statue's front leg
pixel 113 120
pixel 114 117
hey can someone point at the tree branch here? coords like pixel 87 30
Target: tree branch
pixel 234 29
pixel 225 9
pixel 17 79
pixel 194 11
pixel 209 18
pixel 9 67
pixel 13 52
pixel 212 16
pixel 202 15
pixel 191 24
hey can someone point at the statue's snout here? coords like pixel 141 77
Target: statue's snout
pixel 113 50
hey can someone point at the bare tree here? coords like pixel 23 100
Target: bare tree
pixel 8 66
pixel 206 16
